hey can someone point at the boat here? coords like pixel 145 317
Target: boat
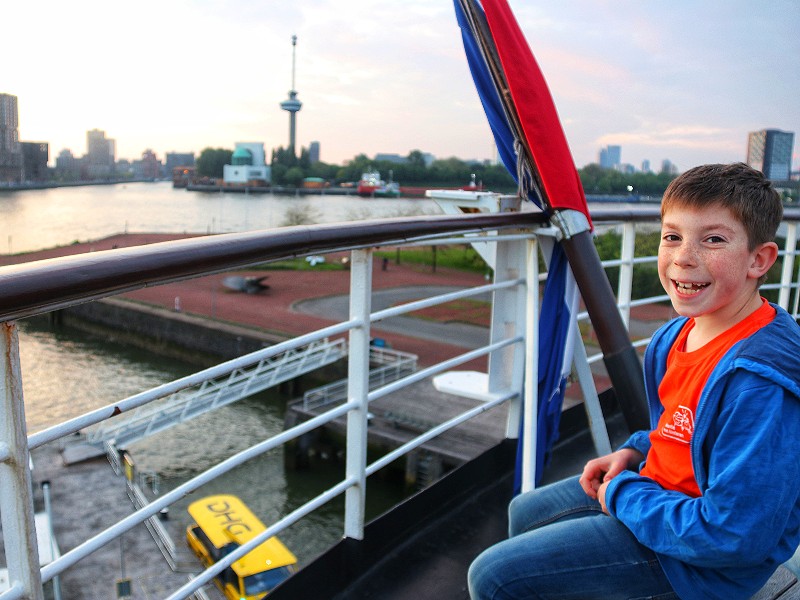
pixel 222 523
pixel 371 185
pixel 422 191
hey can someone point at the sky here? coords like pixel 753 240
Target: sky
pixel 684 80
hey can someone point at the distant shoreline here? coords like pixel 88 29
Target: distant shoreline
pixel 46 185
pixel 332 191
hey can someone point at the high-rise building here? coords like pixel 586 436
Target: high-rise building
pixel 10 148
pixel 770 151
pixel 313 152
pixel 610 157
pixel 669 167
pixel 100 154
pixel 34 160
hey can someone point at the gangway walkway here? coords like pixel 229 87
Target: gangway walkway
pixel 391 365
pixel 213 393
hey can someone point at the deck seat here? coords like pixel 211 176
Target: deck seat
pixel 783 585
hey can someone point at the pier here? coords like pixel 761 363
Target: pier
pixel 396 419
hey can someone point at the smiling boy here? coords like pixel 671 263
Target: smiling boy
pixel 706 504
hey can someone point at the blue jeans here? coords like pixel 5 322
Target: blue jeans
pixel 561 545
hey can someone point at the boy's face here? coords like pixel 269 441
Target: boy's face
pixel 706 267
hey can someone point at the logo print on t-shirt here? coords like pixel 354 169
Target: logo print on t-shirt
pixel 682 426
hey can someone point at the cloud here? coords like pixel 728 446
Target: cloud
pixel 680 80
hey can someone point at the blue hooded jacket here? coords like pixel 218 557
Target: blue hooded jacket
pixel 746 459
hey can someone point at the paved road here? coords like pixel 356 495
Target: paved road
pixel 463 334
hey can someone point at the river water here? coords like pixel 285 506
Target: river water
pixel 67 373
pixel 36 219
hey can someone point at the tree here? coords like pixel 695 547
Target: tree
pixel 352 170
pixel 211 161
pixel 597 180
pixel 279 173
pixel 305 159
pixel 416 158
pixel 294 176
pixel 284 156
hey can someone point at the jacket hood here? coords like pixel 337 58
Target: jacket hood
pixel 773 352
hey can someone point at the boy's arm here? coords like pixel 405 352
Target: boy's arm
pixel 639 441
pixel 605 468
pixel 753 474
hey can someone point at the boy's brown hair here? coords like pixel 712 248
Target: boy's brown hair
pixel 736 186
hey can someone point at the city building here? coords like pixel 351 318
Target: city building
pixel 313 152
pixel 34 161
pixel 646 166
pixel 610 157
pixel 626 168
pixel 770 151
pixel 178 159
pixel 391 157
pixel 248 165
pixel 68 167
pixel 100 155
pixel 123 169
pixel 10 148
pixel 148 167
pixel 669 167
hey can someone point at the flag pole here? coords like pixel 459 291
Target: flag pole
pixel 619 356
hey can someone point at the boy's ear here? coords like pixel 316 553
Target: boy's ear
pixel 763 257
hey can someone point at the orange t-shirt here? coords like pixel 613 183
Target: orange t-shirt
pixel 669 461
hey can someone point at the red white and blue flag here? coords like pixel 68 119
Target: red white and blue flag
pixel 532 146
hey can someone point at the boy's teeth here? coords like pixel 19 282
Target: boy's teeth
pixel 690 287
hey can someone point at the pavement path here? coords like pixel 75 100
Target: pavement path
pixel 462 334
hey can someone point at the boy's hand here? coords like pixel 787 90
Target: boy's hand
pixel 603 469
pixel 601 496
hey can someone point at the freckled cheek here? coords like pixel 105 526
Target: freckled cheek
pixel 722 266
pixel 664 261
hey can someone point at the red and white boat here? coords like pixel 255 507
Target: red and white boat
pixel 372 185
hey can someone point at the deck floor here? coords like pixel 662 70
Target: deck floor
pixel 434 564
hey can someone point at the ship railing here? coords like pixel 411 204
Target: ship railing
pixel 629 225
pixel 38 288
pixel 44 286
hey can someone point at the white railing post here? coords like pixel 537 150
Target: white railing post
pixel 506 366
pixel 591 401
pixel 531 401
pixel 787 272
pixel 357 391
pixel 16 494
pixel 625 284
